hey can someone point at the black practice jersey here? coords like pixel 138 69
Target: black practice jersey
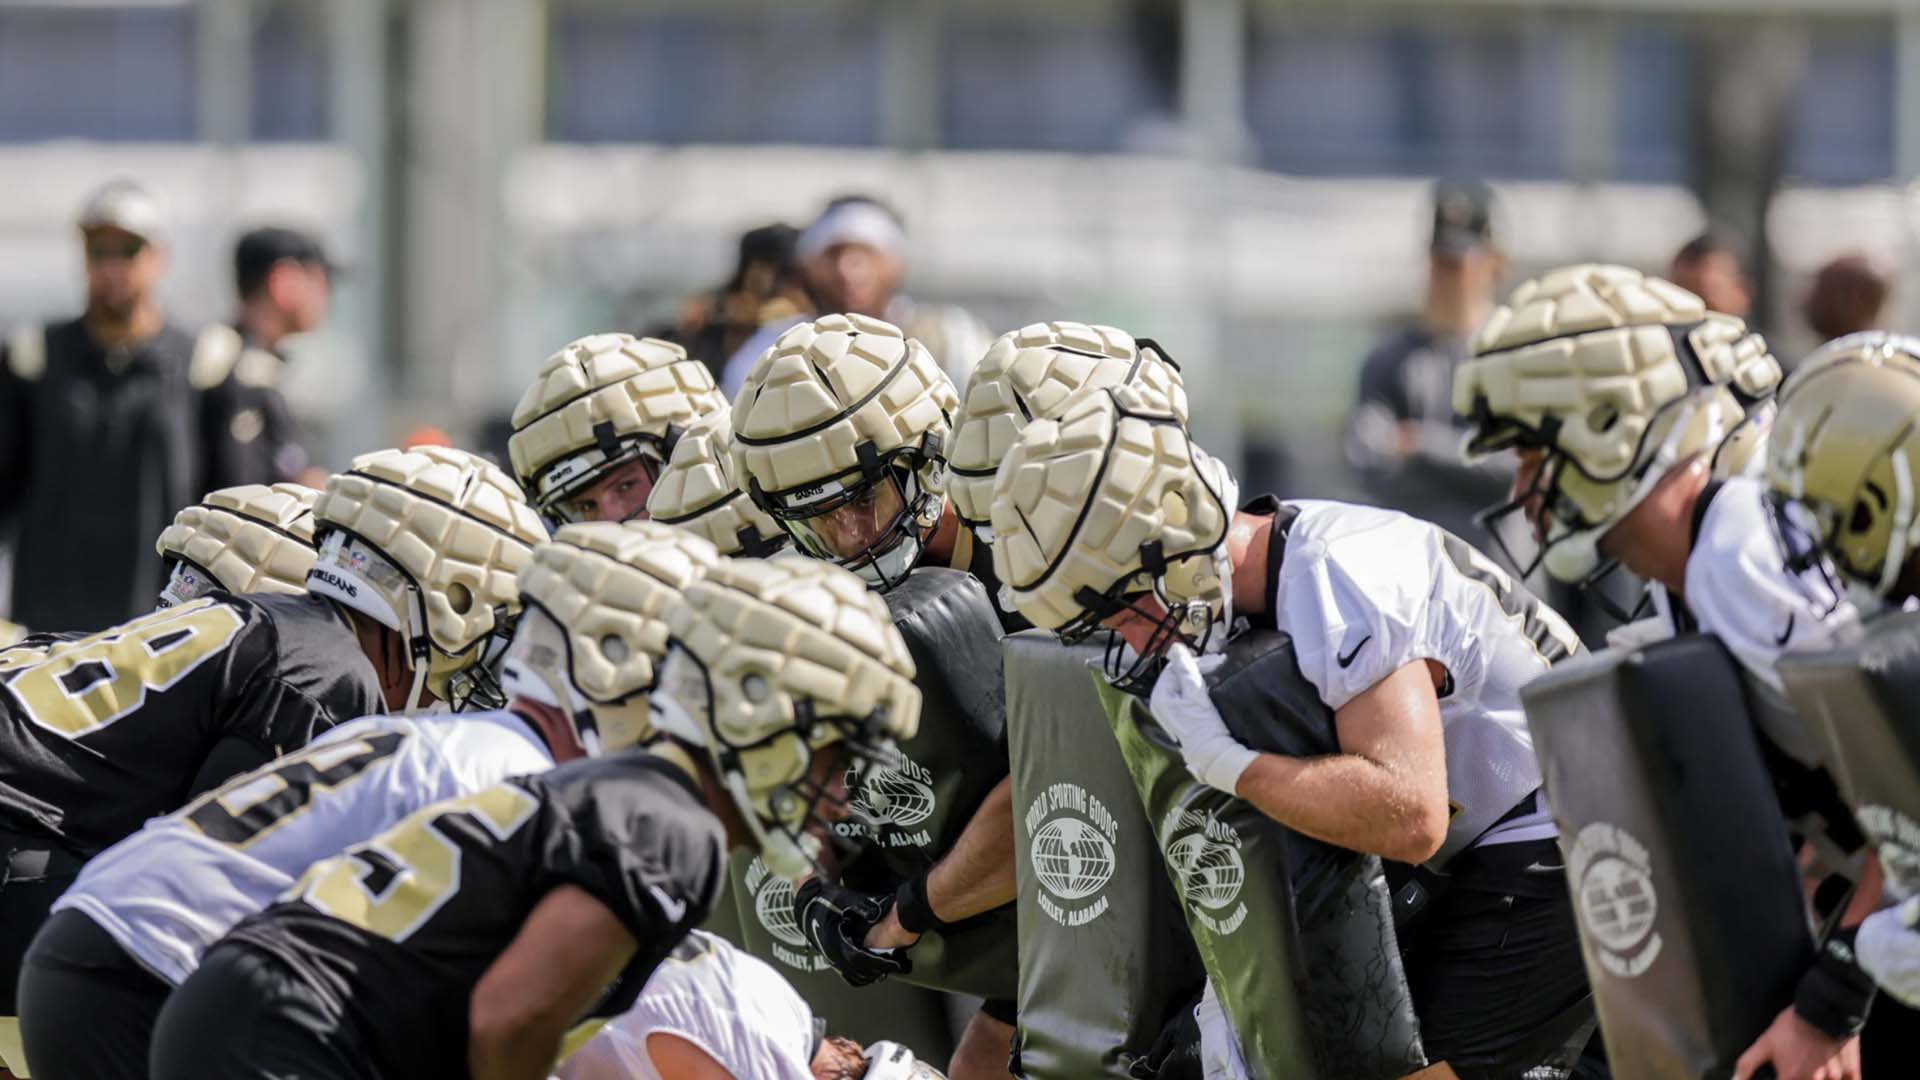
pixel 397 931
pixel 101 732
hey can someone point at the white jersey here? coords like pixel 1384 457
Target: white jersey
pixel 733 1006
pixel 179 884
pixel 1740 590
pixel 1363 592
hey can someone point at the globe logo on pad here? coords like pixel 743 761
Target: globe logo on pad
pixel 1618 903
pixel 1071 858
pixel 895 798
pixel 1210 873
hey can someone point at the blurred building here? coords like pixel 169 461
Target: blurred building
pixel 1242 179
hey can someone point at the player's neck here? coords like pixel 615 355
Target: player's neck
pixel 553 727
pixel 946 534
pixel 1249 544
pixel 387 652
pixel 262 324
pixel 1655 539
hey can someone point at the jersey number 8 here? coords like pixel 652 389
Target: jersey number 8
pixel 76 688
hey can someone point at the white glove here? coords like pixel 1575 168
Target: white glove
pixel 1888 946
pixel 891 1061
pixel 1181 704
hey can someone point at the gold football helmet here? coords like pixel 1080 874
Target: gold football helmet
pixel 840 433
pixel 601 402
pixel 428 543
pixel 1107 505
pixel 593 629
pixel 1029 375
pixel 1843 457
pixel 772 663
pixel 697 492
pixel 248 539
pixel 1617 377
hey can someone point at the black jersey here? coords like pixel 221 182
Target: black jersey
pixel 976 558
pixel 396 932
pixel 100 732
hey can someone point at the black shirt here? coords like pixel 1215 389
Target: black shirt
pixel 97 452
pixel 396 932
pixel 100 733
pixel 250 435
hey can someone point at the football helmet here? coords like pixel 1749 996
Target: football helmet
pixel 1030 374
pixel 772 663
pixel 1617 377
pixel 599 403
pixel 696 491
pixel 593 624
pixel 428 543
pixel 1842 461
pixel 1104 506
pixel 840 433
pixel 248 539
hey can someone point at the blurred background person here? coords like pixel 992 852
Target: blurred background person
pixel 853 259
pixel 1709 266
pixel 1402 437
pixel 285 282
pixel 100 429
pixel 1848 295
pixel 765 288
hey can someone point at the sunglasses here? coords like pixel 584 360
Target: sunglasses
pixel 107 251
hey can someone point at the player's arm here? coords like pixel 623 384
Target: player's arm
pixel 976 876
pixel 1386 792
pixel 566 953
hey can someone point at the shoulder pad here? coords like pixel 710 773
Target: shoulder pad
pixel 257 368
pixel 215 352
pixel 27 352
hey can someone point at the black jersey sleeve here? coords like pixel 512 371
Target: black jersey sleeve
pixel 637 837
pixel 314 677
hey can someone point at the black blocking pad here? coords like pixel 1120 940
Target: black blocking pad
pixel 951 764
pixel 1863 701
pixel 1106 962
pixel 1690 909
pixel 1297 935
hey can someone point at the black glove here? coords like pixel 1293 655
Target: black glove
pixel 835 921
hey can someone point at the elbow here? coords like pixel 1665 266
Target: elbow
pixel 1421 837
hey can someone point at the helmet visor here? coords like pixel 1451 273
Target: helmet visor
pixel 855 523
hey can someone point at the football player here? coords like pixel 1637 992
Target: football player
pixel 469 938
pixel 696 491
pixel 840 434
pixel 1111 517
pixel 136 922
pixel 1030 374
pixel 601 418
pixel 412 597
pixel 248 539
pixel 1840 470
pixel 1634 412
pixel 713 1012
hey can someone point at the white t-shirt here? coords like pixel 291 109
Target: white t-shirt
pixel 179 884
pixel 733 1006
pixel 1363 592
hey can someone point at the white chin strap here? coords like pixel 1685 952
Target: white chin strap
pixel 783 857
pixel 1900 537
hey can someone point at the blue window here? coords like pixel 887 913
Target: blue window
pixel 97 73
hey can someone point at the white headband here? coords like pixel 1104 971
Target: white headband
pixel 852 222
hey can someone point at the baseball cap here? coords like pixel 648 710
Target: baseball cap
pixel 1462 216
pixel 259 249
pixel 125 205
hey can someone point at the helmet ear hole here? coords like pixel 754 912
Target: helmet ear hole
pixel 614 648
pixel 1603 417
pixel 1861 519
pixel 460 598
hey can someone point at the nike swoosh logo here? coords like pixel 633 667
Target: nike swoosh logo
pixel 674 909
pixel 1788 632
pixel 1543 868
pixel 1347 660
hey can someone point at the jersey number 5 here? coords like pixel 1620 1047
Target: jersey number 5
pixel 76 688
pixel 394 883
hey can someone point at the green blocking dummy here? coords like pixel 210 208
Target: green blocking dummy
pixel 1105 959
pixel 1296 935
